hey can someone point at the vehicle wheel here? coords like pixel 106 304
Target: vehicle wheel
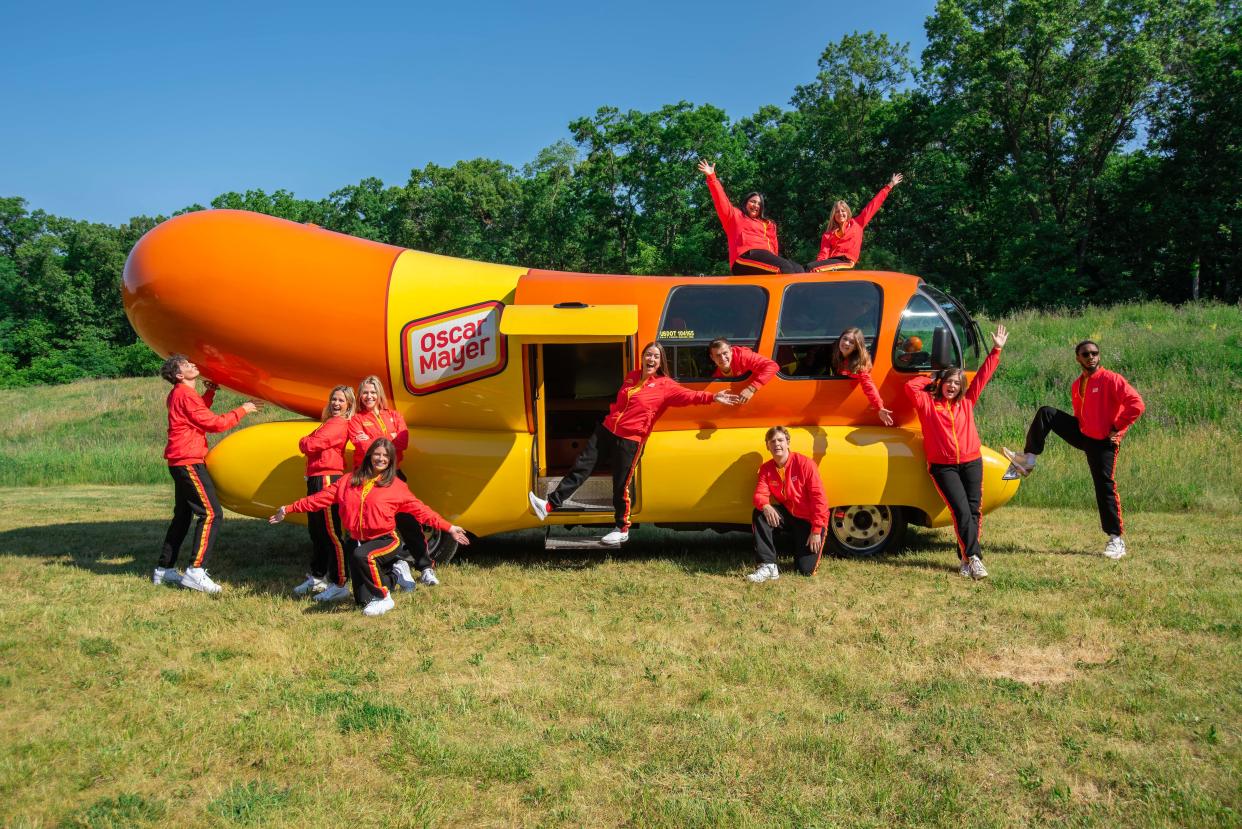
pixel 865 530
pixel 441 546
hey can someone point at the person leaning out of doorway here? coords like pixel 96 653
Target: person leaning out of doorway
pixel 791 510
pixel 736 361
pixel 644 396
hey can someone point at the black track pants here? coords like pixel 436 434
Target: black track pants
pixel 790 539
pixel 961 487
pixel 412 538
pixel 835 263
pixel 757 261
pixel 622 455
pixel 194 497
pixel 1101 460
pixel 371 564
pixel 328 546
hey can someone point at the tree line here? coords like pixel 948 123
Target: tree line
pixel 1057 153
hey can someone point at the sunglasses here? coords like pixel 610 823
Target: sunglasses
pixel 1089 353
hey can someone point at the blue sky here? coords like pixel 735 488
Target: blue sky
pixel 116 110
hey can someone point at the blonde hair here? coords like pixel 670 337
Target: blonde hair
pixel 381 399
pixel 833 224
pixel 351 403
pixel 857 362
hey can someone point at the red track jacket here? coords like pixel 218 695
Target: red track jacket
pixel 744 359
pixel 802 491
pixel 949 434
pixel 863 378
pixel 847 241
pixel 1104 401
pixel 367 427
pixel 324 448
pixel 190 418
pixel 639 405
pixel 373 515
pixel 743 232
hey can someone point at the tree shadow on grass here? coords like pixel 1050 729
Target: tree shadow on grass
pixel 266 560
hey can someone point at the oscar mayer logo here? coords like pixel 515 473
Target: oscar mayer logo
pixel 452 348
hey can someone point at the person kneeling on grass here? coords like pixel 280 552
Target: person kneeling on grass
pixel 370 500
pixel 190 418
pixel 1105 406
pixel 791 511
pixel 946 410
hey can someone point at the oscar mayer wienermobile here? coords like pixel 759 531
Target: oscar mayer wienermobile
pixel 502 372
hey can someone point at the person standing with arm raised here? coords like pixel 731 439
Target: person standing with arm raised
pixel 946 410
pixel 753 246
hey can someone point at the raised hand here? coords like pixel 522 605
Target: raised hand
pixel 706 167
pixel 897 178
pixel 1000 337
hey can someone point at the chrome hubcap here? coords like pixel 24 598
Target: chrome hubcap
pixel 861 528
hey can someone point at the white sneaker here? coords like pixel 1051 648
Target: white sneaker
pixel 766 572
pixel 313 584
pixel 976 568
pixel 405 579
pixel 1022 462
pixel 965 571
pixel 166 575
pixel 539 505
pixel 378 607
pixel 615 538
pixel 334 593
pixel 196 578
pixel 428 577
pixel 1116 547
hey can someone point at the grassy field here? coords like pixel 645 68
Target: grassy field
pixel 654 687
pixel 651 688
pixel 1183 454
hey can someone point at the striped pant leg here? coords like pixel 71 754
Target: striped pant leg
pixel 371 563
pixel 952 485
pixel 327 544
pixel 1102 461
pixel 194 499
pixel 625 456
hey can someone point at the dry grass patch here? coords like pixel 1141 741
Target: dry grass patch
pixel 1032 665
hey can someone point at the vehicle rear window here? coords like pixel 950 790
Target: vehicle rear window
pixel 813 317
pixel 697 314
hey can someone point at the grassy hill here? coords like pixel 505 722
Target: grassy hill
pixel 1186 362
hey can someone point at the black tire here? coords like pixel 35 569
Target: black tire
pixel 863 531
pixel 441 546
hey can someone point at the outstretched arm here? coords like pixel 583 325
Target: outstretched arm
pixel 989 365
pixel 724 208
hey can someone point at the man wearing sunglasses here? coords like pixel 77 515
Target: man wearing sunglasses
pixel 1105 406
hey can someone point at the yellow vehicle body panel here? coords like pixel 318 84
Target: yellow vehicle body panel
pixel 549 324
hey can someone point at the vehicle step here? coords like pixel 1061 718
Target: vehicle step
pixel 593 496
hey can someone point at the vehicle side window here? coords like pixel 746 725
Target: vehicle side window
pixel 963 326
pixel 813 315
pixel 916 333
pixel 697 314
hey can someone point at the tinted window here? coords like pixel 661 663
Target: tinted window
pixel 963 326
pixel 813 316
pixel 916 333
pixel 697 314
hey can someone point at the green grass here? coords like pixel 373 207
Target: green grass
pixel 651 688
pixel 1183 454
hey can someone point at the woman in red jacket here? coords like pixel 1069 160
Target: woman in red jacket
pixel 375 419
pixel 951 443
pixel 643 397
pixel 324 449
pixel 753 246
pixel 370 500
pixel 841 245
pixel 851 359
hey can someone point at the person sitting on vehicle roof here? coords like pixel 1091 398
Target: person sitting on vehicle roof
pixel 753 246
pixel 736 360
pixel 841 245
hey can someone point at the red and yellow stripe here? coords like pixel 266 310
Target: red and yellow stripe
pixel 204 537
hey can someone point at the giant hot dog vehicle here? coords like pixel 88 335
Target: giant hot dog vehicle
pixel 502 372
